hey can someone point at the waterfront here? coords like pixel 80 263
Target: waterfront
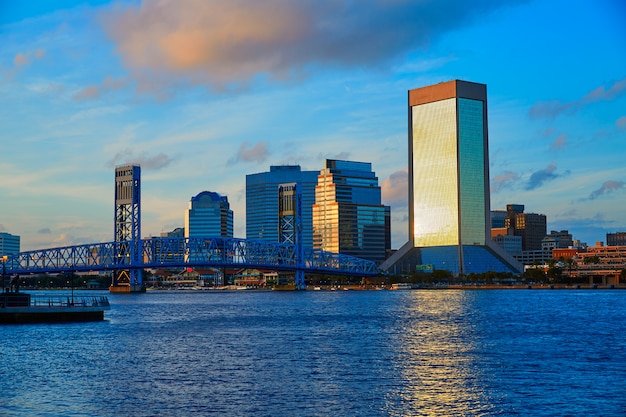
pixel 318 353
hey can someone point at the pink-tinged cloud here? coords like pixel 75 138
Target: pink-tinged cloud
pixel 621 122
pixel 95 91
pixel 603 94
pixel 538 178
pixel 20 59
pixel 607 188
pixel 251 153
pixel 26 58
pixel 228 44
pixel 395 188
pixel 87 93
pixel 503 181
pixel 554 108
pixel 559 143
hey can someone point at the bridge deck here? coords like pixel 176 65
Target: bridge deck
pixel 185 252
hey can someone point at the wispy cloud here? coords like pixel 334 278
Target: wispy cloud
pixel 146 161
pixel 538 178
pixel 607 187
pixel 503 181
pixel 553 108
pixel 395 188
pixel 25 58
pixel 559 143
pixel 227 45
pixel 344 156
pixel 621 123
pixel 95 91
pixel 250 153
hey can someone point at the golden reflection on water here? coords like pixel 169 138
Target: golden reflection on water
pixel 435 353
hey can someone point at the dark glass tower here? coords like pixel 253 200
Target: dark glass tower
pixel 262 202
pixel 209 214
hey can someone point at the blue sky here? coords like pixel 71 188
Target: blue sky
pixel 201 93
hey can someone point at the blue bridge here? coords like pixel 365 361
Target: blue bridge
pixel 208 252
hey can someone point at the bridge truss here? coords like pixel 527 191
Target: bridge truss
pixel 211 252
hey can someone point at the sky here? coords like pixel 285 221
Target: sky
pixel 200 93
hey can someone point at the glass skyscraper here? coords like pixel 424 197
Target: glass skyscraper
pixel 348 216
pixel 262 202
pixel 449 207
pixel 209 215
pixel 9 244
pixel 449 196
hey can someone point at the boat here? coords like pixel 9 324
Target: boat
pixel 17 307
pixel 401 286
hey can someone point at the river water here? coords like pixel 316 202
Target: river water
pixel 326 353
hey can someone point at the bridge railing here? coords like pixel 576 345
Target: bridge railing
pixel 185 252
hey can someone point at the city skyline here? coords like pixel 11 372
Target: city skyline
pixel 87 86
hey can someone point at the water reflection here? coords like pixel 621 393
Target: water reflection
pixel 436 349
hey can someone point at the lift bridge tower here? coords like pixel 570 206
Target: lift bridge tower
pixel 127 229
pixel 290 225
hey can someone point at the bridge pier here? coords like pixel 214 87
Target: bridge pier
pixel 126 289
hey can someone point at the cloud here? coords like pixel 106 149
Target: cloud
pixel 249 153
pixel 621 122
pixel 20 59
pixel 44 231
pixel 144 160
pixel 554 108
pixel 503 181
pixel 395 188
pixel 341 156
pixel 227 45
pixel 602 94
pixel 95 91
pixel 559 143
pixel 25 58
pixel 88 92
pixel 538 178
pixel 607 188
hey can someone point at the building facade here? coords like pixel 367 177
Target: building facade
pixel 449 201
pixel 209 214
pixel 616 239
pixel 557 240
pixel 348 216
pixel 532 227
pixel 9 244
pixel 262 202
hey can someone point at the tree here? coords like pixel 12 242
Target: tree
pixel 591 260
pixel 534 275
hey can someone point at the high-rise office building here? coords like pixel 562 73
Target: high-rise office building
pixel 9 244
pixel 262 202
pixel 209 215
pixel 449 201
pixel 532 227
pixel 616 239
pixel 348 216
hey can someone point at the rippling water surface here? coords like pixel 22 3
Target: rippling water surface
pixel 321 353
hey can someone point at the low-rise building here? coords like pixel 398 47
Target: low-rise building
pixel 600 265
